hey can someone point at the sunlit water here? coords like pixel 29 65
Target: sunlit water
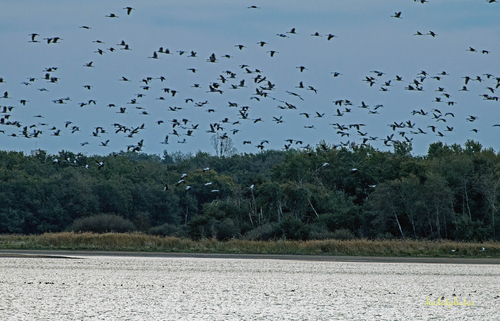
pixel 147 288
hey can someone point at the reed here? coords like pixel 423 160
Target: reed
pixel 144 242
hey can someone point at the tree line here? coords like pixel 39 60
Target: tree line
pixel 326 192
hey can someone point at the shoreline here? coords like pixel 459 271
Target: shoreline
pixel 79 254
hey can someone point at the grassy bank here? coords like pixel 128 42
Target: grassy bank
pixel 143 242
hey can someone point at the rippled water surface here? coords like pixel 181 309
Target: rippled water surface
pixel 147 288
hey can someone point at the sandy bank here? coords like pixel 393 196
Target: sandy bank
pixel 322 258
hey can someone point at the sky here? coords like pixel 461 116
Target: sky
pixel 378 54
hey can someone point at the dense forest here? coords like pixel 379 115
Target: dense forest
pixel 358 191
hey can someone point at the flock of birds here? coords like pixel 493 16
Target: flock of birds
pixel 256 86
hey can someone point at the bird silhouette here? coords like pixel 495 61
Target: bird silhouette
pixel 251 83
pixel 397 15
pixel 129 10
pixel 33 36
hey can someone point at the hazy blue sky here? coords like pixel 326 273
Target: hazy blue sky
pixel 367 38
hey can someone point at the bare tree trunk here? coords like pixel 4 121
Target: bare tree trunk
pixel 392 205
pixel 313 209
pixel 412 221
pixel 467 200
pixel 280 212
pixel 490 193
pixel 254 208
pixel 438 226
pixel 444 225
pixel 399 225
pixel 430 225
pixel 409 211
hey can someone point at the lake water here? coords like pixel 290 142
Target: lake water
pixel 156 288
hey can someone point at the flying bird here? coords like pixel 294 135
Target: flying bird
pixel 33 35
pixel 129 10
pixel 397 15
